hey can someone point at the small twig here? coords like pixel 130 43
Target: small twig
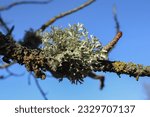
pixel 40 89
pixel 44 26
pixel 29 78
pixel 116 19
pixel 97 77
pixel 112 44
pixel 9 33
pixel 5 77
pixel 6 65
pixel 4 25
pixel 1 77
pixel 147 90
pixel 13 74
pixel 38 85
pixel 23 2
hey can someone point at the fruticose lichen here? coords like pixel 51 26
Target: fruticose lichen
pixel 71 51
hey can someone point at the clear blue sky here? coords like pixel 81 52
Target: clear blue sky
pixel 134 18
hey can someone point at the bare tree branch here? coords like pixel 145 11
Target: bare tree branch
pixel 48 23
pixel 23 2
pixel 34 61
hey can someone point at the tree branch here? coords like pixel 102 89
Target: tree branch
pixel 23 2
pixel 48 23
pixel 118 67
pixel 34 60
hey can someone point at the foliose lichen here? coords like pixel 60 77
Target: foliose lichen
pixel 71 51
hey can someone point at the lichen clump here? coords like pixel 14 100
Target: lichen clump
pixel 71 51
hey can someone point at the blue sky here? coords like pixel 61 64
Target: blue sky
pixel 134 46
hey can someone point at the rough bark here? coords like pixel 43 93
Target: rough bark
pixel 34 60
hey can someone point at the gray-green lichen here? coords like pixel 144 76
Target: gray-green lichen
pixel 74 47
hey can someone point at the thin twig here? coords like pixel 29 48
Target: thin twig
pixel 29 78
pixel 147 90
pixel 40 89
pixel 1 77
pixel 4 25
pixel 9 33
pixel 6 65
pixel 97 77
pixel 13 74
pixel 23 2
pixel 44 26
pixel 112 44
pixel 116 19
pixel 37 84
pixel 4 77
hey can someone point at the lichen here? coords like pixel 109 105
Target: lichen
pixel 119 66
pixel 73 49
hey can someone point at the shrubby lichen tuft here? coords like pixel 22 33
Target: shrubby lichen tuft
pixel 71 51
